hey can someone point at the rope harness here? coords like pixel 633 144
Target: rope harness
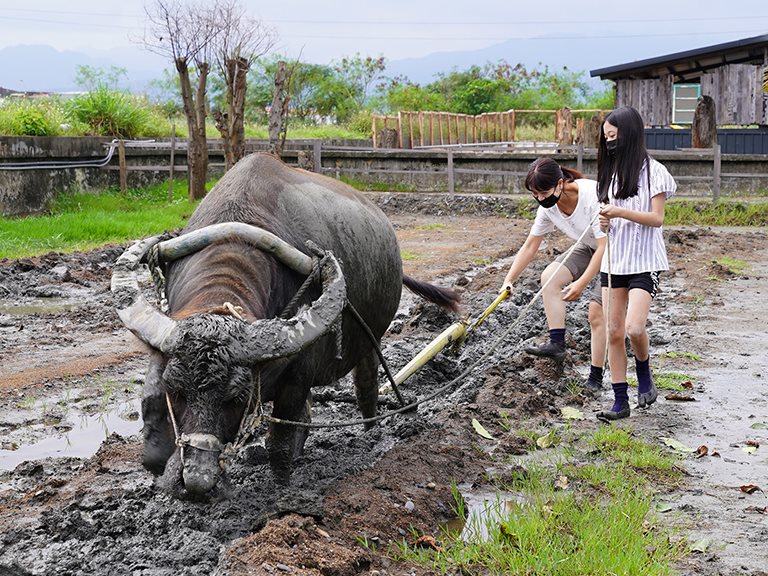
pixel 254 416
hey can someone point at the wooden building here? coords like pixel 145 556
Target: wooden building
pixel 665 89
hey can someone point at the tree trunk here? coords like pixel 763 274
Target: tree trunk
pixel 276 112
pixel 194 110
pixel 704 126
pixel 237 108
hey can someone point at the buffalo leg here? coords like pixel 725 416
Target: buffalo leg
pixel 157 431
pixel 367 386
pixel 283 439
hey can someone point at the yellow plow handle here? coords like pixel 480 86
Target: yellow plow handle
pixel 454 333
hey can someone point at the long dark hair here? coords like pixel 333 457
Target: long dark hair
pixel 629 158
pixel 545 173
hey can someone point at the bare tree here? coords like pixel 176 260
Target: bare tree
pixel 242 41
pixel 184 32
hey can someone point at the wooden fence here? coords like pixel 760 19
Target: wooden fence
pixel 428 129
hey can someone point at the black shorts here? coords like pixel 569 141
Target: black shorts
pixel 648 281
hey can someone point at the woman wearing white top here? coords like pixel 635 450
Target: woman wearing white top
pixel 633 188
pixel 568 202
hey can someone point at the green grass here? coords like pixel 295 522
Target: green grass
pixel 733 265
pixel 666 380
pixel 722 213
pixel 377 186
pixel 85 221
pixel 408 255
pixel 591 513
pixel 434 226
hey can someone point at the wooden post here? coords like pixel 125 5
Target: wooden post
pixel 317 160
pixel 173 152
pixel 440 124
pixel 512 125
pixel 580 157
pixel 474 129
pixel 373 130
pixel 450 139
pixel 400 128
pixel 421 128
pixel 431 129
pixel 121 160
pixel 451 182
pixel 466 129
pixel 410 130
pixel 716 174
pixel 486 128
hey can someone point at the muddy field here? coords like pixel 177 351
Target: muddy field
pixel 74 498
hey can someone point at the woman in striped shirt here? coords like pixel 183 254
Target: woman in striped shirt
pixel 633 188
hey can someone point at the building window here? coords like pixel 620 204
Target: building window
pixel 684 99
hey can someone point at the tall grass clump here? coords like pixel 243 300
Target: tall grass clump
pixel 113 113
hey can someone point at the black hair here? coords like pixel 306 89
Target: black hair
pixel 545 173
pixel 630 156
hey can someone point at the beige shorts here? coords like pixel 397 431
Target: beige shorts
pixel 577 262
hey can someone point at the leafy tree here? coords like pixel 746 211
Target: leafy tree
pixel 90 78
pixel 183 33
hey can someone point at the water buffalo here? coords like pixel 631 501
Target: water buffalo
pixel 229 277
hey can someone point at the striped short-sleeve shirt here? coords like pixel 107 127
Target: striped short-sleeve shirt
pixel 635 248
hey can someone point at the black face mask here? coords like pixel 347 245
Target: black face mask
pixel 549 201
pixel 611 145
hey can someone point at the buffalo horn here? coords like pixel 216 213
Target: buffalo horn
pixel 196 240
pixel 278 338
pixel 144 320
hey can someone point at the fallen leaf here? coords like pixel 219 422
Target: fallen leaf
pixel 715 454
pixel 760 426
pixel 701 451
pixel 750 488
pixel 547 440
pixel 687 384
pixel 561 483
pixel 663 507
pixel 763 510
pixel 480 430
pixel 754 443
pixel 749 449
pixel 675 445
pixel 680 397
pixel 570 413
pixel 700 545
pixel 427 542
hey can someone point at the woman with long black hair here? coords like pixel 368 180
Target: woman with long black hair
pixel 632 188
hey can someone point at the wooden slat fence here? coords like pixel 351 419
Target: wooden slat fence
pixel 423 129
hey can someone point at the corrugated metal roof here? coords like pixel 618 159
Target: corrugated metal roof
pixel 692 63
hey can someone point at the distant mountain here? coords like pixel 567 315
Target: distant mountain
pixel 40 68
pixel 45 69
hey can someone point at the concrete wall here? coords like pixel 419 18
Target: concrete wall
pixel 501 172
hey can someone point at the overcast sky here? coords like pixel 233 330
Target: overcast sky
pixel 325 30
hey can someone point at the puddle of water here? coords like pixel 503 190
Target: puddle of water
pixel 484 510
pixel 36 306
pixel 82 441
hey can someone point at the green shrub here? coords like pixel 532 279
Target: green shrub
pixel 361 123
pixel 32 117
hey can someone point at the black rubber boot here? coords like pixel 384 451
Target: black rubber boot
pixel 608 415
pixel 548 350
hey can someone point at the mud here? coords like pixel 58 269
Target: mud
pixel 74 498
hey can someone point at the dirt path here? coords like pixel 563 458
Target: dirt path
pixel 70 378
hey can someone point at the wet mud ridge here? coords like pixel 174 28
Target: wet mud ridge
pixel 68 362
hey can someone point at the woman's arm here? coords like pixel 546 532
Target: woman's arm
pixel 574 289
pixel 654 218
pixel 522 259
